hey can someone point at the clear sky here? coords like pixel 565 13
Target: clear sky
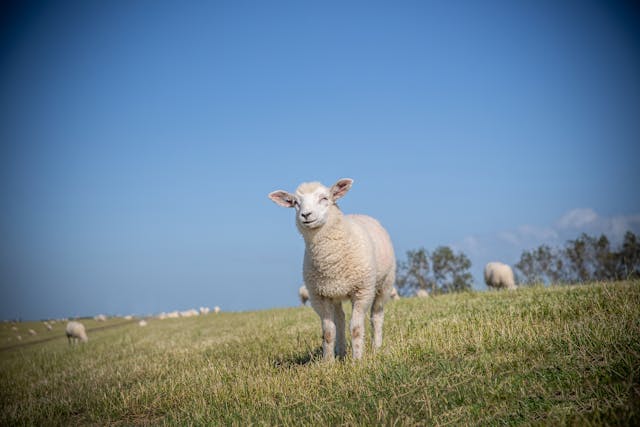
pixel 139 140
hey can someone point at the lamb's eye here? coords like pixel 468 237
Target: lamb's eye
pixel 324 199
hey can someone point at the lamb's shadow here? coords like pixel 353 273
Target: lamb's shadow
pixel 311 356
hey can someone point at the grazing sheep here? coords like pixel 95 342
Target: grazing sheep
pixel 189 313
pixel 18 337
pixel 421 293
pixel 346 257
pixel 75 330
pixel 204 310
pixel 498 275
pixel 13 328
pixel 32 332
pixel 101 318
pixel 303 293
pixel 142 323
pixel 216 309
pixel 48 326
pixel 173 315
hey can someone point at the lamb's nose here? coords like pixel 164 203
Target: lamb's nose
pixel 305 215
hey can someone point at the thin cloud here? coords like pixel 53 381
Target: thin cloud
pixel 577 218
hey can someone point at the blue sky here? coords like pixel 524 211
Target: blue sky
pixel 139 140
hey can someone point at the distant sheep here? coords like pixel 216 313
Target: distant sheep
pixel 394 294
pixel 32 332
pixel 216 309
pixel 48 326
pixel 204 310
pixel 75 331
pixel 100 318
pixel 189 313
pixel 303 293
pixel 346 257
pixel 142 323
pixel 498 275
pixel 421 293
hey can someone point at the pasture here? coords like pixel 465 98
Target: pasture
pixel 562 354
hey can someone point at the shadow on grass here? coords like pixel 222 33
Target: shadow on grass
pixel 289 361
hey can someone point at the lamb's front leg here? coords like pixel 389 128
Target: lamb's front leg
pixel 326 312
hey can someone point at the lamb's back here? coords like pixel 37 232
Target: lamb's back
pixel 379 238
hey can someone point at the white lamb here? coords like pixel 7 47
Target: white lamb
pixel 303 293
pixel 346 257
pixel 75 331
pixel 498 275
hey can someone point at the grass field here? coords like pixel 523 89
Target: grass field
pixel 558 355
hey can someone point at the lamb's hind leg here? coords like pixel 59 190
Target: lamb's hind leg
pixel 361 304
pixel 377 311
pixel 377 319
pixel 340 335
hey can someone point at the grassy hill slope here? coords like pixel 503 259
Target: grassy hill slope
pixel 550 355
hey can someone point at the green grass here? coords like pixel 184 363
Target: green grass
pixel 559 355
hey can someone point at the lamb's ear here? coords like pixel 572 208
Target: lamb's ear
pixel 341 187
pixel 283 198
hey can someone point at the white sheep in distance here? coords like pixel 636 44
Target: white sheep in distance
pixel 422 293
pixel 346 257
pixel 303 293
pixel 498 275
pixel 75 331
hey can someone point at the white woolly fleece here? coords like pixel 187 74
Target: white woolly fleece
pixel 498 275
pixel 75 330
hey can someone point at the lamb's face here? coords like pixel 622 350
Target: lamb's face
pixel 312 207
pixel 312 201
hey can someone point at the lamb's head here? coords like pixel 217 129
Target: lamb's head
pixel 312 201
